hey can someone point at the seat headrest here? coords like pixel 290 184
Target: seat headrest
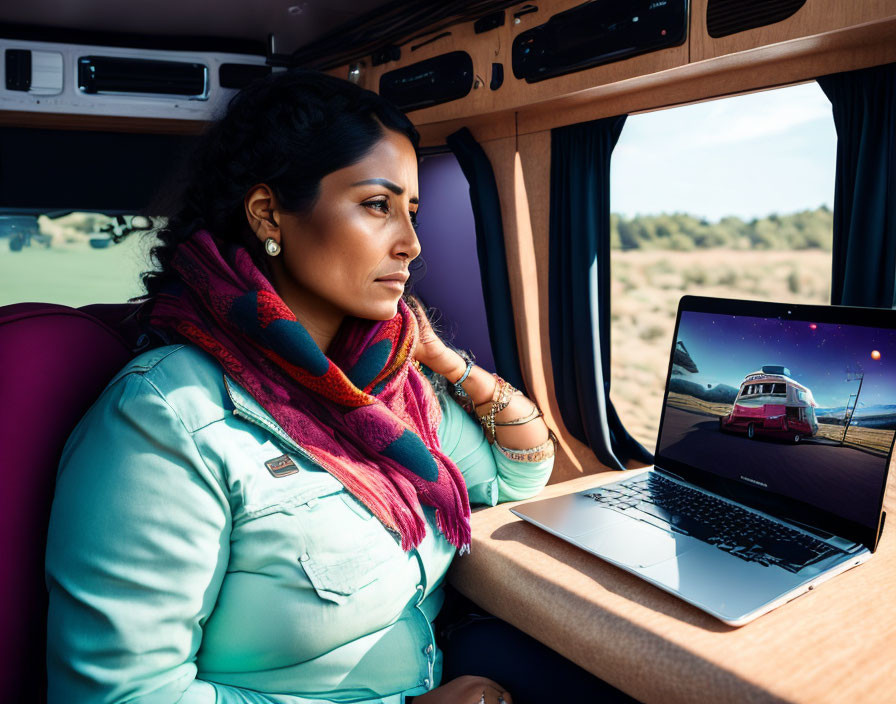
pixel 54 362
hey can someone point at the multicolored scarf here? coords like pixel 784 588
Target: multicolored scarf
pixel 365 413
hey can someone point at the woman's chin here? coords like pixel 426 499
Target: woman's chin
pixel 379 312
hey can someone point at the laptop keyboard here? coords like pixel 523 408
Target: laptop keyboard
pixel 728 527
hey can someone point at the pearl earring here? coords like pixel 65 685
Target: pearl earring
pixel 271 246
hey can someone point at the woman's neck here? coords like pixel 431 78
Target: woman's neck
pixel 319 317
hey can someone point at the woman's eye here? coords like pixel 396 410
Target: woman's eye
pixel 381 205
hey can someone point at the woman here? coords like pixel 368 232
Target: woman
pixel 264 509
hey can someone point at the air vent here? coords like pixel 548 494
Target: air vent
pixel 430 82
pixel 112 75
pixel 724 17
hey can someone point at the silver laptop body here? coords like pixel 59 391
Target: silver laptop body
pixel 772 455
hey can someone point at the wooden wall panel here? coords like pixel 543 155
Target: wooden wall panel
pixel 495 46
pixel 781 64
pixel 815 17
pixel 825 36
pixel 522 171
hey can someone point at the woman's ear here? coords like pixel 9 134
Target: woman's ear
pixel 260 205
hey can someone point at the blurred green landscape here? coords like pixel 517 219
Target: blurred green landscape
pixel 809 229
pixel 71 272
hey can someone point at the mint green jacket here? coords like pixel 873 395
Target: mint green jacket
pixel 181 568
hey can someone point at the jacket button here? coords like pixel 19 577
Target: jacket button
pixel 426 683
pixel 303 557
pixel 428 650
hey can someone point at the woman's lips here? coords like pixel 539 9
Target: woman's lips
pixel 395 280
pixel 394 283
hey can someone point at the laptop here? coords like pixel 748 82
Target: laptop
pixel 772 454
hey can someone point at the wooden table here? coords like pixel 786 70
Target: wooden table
pixel 836 643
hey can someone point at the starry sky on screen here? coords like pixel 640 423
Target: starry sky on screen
pixel 726 348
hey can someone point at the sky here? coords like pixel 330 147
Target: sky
pixel 748 156
pixel 726 348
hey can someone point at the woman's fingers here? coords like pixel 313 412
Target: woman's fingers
pixel 495 693
pixel 502 695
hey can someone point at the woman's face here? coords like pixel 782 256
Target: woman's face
pixel 350 254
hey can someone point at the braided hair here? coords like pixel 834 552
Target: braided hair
pixel 287 130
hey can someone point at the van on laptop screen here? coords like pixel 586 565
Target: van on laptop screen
pixel 806 410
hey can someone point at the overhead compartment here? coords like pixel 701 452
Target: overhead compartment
pixel 720 27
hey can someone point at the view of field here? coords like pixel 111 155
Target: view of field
pixel 69 271
pixel 729 198
pixel 646 287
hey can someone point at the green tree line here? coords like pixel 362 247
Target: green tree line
pixel 808 229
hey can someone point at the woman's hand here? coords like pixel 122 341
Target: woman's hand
pixel 466 690
pixel 430 349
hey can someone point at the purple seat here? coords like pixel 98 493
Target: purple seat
pixel 54 362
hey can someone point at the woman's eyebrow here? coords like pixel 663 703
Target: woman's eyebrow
pixel 394 187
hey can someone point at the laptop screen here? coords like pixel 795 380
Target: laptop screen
pixel 800 409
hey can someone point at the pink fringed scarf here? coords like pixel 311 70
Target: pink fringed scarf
pixel 365 413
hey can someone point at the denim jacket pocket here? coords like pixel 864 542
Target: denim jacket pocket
pixel 346 547
pixel 337 581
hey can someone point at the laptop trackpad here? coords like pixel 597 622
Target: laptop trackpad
pixel 635 544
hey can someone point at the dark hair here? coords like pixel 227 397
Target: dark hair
pixel 287 130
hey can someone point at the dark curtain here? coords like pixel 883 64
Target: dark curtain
pixel 492 258
pixel 579 304
pixel 864 256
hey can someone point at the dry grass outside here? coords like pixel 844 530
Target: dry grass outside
pixel 696 405
pixel 646 287
pixel 873 440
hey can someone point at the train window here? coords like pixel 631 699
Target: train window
pixel 72 258
pixel 729 198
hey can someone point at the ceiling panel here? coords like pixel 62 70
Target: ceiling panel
pixel 294 23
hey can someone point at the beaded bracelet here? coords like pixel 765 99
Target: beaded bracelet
pixel 538 453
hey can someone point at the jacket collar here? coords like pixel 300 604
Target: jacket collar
pixel 250 409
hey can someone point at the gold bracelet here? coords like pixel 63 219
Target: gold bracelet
pixel 522 420
pixel 500 401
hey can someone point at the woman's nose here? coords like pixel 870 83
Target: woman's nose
pixel 409 245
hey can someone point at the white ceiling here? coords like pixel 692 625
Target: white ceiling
pixel 294 23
